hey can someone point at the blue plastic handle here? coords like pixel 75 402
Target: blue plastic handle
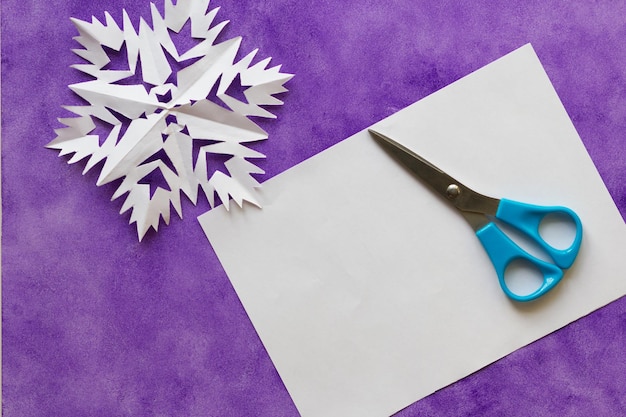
pixel 527 218
pixel 502 251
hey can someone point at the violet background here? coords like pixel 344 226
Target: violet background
pixel 97 324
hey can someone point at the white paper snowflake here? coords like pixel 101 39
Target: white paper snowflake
pixel 165 122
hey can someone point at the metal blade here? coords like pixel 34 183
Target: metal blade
pixel 461 196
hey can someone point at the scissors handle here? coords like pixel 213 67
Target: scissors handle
pixel 527 218
pixel 502 251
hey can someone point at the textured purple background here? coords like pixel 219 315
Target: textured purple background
pixel 96 324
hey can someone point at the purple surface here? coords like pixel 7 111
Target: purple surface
pixel 97 324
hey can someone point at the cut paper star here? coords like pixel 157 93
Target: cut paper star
pixel 167 111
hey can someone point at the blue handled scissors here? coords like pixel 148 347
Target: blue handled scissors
pixel 476 208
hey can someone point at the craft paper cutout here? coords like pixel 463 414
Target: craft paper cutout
pixel 374 301
pixel 154 122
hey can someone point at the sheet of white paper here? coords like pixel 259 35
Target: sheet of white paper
pixel 369 292
pixel 165 116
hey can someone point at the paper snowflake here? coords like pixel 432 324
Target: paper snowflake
pixel 162 122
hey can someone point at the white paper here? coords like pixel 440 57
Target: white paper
pixel 370 292
pixel 151 129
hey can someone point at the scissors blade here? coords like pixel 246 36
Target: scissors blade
pixel 462 197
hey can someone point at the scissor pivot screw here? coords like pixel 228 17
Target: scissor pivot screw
pixel 453 191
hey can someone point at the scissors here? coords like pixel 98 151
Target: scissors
pixel 479 210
